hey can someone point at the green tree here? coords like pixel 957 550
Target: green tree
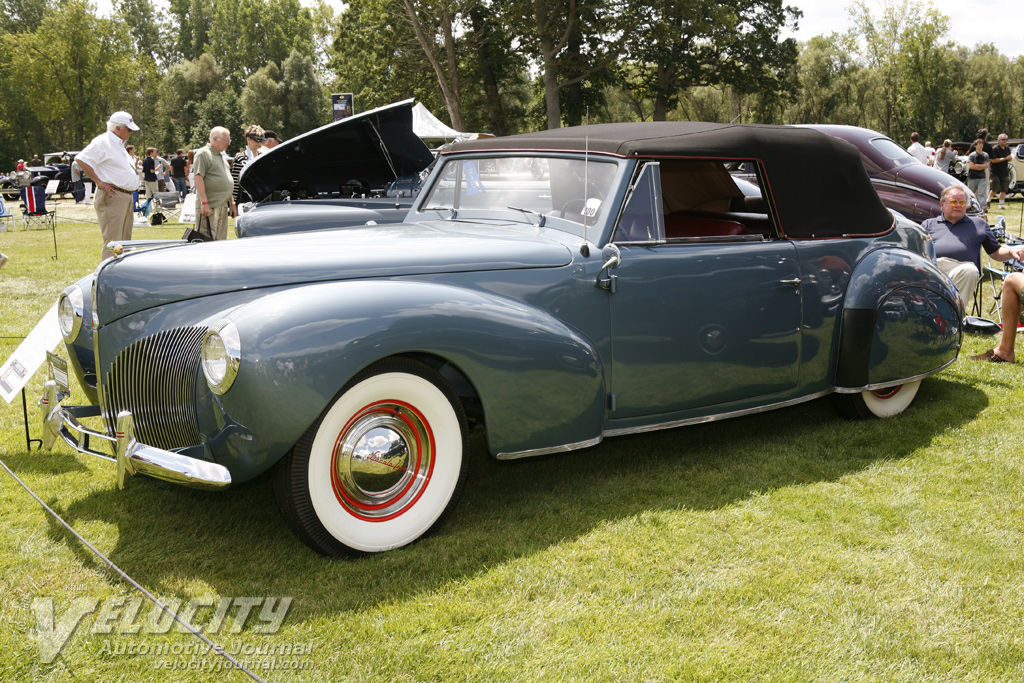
pixel 148 29
pixel 261 98
pixel 549 28
pixel 218 109
pixel 680 44
pixel 79 64
pixel 248 34
pixel 21 16
pixel 192 19
pixel 378 60
pixel 185 87
pixel 827 70
pixel 989 92
pixel 304 103
pixel 433 24
pixel 498 106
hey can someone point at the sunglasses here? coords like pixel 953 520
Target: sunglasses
pixel 956 202
pixel 256 138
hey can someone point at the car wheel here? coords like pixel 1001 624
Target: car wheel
pixel 881 403
pixel 10 194
pixel 382 467
pixel 1013 181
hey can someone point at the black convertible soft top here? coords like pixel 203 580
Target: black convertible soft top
pixel 817 182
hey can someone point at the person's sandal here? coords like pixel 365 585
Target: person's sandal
pixel 991 357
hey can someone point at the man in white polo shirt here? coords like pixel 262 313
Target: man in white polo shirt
pixel 107 163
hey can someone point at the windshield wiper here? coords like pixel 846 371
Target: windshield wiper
pixel 451 216
pixel 542 217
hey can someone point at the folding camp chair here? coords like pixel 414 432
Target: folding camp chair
pixel 999 271
pixel 6 218
pixel 168 204
pixel 140 209
pixel 34 211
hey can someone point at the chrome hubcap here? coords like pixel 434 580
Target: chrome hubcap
pixel 382 460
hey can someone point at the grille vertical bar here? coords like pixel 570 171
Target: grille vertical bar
pixel 155 378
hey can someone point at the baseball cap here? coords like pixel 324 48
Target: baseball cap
pixel 123 118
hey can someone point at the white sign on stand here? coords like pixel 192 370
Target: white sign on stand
pixel 17 370
pixel 188 209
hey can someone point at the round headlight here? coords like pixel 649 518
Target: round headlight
pixel 222 353
pixel 69 312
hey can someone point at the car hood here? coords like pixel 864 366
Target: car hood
pixel 376 146
pixel 143 279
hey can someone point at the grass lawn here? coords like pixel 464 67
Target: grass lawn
pixel 788 546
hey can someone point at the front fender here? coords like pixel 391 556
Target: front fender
pixel 540 382
pixel 901 321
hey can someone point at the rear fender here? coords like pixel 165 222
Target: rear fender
pixel 901 321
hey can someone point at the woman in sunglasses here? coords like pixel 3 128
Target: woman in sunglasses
pixel 254 138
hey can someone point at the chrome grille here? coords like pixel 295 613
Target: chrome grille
pixel 155 378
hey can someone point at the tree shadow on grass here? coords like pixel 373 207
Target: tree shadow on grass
pixel 237 542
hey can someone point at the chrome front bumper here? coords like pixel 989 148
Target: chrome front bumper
pixel 131 456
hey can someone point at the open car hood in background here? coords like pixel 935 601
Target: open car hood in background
pixel 372 148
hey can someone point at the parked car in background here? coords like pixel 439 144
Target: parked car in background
pixel 555 289
pixel 1017 169
pixel 903 183
pixel 367 167
pixel 56 166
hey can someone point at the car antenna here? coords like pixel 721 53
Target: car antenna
pixel 585 250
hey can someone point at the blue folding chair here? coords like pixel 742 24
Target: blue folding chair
pixel 6 217
pixel 141 209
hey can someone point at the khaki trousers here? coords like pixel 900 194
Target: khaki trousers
pixel 218 229
pixel 963 274
pixel 115 217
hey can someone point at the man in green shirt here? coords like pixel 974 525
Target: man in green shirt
pixel 214 186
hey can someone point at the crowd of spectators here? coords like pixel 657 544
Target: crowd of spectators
pixel 988 170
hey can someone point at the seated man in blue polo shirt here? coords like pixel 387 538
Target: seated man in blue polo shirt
pixel 959 239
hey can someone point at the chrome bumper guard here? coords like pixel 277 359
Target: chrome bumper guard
pixel 131 456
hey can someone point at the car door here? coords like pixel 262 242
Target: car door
pixel 698 322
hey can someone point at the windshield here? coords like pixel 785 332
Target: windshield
pixel 891 149
pixel 573 189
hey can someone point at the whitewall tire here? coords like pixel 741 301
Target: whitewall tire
pixel 382 467
pixel 881 403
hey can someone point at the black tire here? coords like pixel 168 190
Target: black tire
pixel 343 500
pixel 871 404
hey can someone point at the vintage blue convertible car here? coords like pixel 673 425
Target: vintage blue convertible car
pixel 555 288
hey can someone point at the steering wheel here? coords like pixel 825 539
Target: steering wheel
pixel 572 206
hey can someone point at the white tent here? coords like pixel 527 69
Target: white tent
pixel 429 127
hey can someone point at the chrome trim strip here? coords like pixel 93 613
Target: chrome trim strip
pixel 714 418
pixel 885 385
pixel 565 448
